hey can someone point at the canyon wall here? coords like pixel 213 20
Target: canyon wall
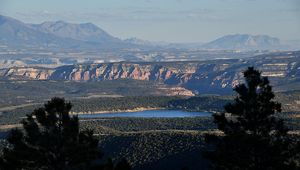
pixel 203 77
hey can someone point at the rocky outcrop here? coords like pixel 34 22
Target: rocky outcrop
pixel 27 73
pixel 217 76
pixel 176 74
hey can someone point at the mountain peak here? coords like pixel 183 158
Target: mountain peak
pixel 88 35
pixel 4 19
pixel 83 32
pixel 243 42
pixel 55 34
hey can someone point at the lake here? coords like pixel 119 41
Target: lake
pixel 149 114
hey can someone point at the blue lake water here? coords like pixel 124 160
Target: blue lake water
pixel 149 114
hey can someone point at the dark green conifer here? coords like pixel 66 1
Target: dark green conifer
pixel 51 140
pixel 253 137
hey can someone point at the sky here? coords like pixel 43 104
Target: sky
pixel 167 20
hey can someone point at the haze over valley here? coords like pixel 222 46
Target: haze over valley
pixel 87 58
pixel 59 43
pixel 149 84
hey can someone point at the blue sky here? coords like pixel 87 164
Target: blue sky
pixel 168 20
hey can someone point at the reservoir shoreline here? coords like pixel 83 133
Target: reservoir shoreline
pixel 139 109
pixel 149 113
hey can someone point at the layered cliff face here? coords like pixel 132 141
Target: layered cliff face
pixel 142 71
pixel 217 76
pixel 27 73
pixel 169 73
pixel 178 73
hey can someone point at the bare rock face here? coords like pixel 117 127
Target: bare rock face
pixel 112 71
pixel 28 73
pixel 217 76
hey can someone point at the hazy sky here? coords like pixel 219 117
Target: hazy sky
pixel 168 20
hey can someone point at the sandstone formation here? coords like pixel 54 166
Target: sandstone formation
pixel 203 77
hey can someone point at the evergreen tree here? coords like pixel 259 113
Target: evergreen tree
pixel 51 140
pixel 122 165
pixel 253 137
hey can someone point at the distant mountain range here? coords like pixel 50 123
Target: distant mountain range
pixel 245 42
pixel 138 41
pixel 60 34
pixel 84 32
pixel 14 33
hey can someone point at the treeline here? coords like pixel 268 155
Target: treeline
pixel 121 103
pixel 204 103
pixel 20 92
pixel 125 124
pixel 95 104
pixel 156 150
pixel 199 103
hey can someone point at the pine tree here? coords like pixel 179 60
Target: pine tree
pixel 51 140
pixel 253 137
pixel 122 165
